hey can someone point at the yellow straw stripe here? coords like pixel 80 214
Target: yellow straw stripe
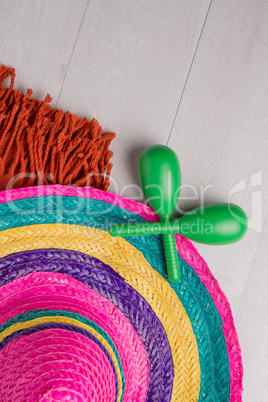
pixel 67 320
pixel 132 265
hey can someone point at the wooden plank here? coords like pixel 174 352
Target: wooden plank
pixel 128 70
pixel 220 131
pixel 220 135
pixel 252 325
pixel 37 38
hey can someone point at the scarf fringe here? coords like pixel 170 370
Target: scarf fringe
pixel 40 145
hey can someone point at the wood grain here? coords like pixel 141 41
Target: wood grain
pixel 220 136
pixel 128 70
pixel 37 38
pixel 252 324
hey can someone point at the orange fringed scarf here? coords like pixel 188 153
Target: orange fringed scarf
pixel 41 145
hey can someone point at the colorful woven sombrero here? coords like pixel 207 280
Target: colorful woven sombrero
pixel 85 316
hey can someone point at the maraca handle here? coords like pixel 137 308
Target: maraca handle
pixel 146 228
pixel 171 254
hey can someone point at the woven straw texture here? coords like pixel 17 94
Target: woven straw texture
pixel 88 317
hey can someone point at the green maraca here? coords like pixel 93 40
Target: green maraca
pixel 211 224
pixel 160 178
pixel 159 174
pixel 214 224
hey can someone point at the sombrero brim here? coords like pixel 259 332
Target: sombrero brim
pixel 152 339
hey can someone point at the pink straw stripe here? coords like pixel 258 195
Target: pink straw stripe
pixel 55 362
pixel 186 250
pixel 48 290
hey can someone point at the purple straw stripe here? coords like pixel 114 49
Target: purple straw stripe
pixel 103 279
pixel 69 327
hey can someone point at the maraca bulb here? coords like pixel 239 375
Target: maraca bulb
pixel 160 178
pixel 214 224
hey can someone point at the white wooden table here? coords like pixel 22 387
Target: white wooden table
pixel 190 74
